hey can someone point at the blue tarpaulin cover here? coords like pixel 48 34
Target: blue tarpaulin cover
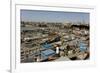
pixel 45 54
pixel 48 52
pixel 46 46
pixel 82 46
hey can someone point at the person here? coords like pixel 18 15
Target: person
pixel 38 59
pixel 57 51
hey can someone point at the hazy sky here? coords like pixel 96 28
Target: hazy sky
pixel 53 16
